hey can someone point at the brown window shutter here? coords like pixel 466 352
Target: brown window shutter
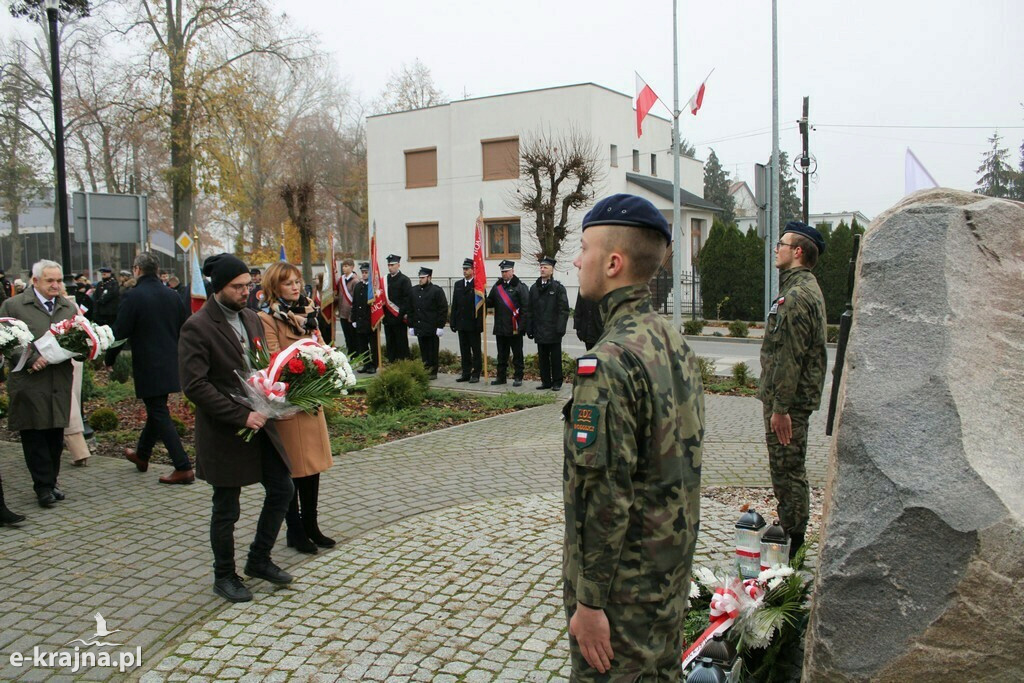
pixel 501 158
pixel 423 241
pixel 421 167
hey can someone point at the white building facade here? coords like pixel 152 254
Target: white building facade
pixel 428 170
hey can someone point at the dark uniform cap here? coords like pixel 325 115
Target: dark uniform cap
pixel 467 263
pixel 426 271
pixel 807 231
pixel 365 265
pixel 548 261
pixel 126 273
pixel 104 269
pixel 506 265
pixel 629 210
pixel 392 258
pixel 255 271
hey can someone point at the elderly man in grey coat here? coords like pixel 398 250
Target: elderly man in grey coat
pixel 40 393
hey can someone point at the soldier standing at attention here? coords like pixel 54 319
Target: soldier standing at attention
pixel 396 311
pixel 427 317
pixel 633 437
pixel 549 315
pixel 793 363
pixel 510 300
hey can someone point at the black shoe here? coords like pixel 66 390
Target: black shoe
pixel 232 589
pixel 495 382
pixel 464 378
pixel 268 571
pixel 46 498
pixel 517 382
pixel 474 380
pixel 433 375
pixel 543 386
pixel 795 542
pixel 8 517
pixel 556 387
pixel 321 540
pixel 58 494
pixel 301 543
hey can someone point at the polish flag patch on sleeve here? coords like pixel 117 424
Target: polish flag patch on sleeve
pixel 586 366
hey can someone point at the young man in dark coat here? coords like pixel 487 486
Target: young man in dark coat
pixel 150 317
pixel 213 346
pixel 40 394
pixel 364 339
pixel 106 297
pixel 510 300
pixel 468 320
pixel 549 315
pixel 427 317
pixel 396 314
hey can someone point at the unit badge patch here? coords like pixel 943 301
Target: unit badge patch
pixel 584 424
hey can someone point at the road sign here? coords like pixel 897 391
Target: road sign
pixel 184 241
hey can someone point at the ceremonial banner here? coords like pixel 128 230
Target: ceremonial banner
pixel 479 276
pixel 197 287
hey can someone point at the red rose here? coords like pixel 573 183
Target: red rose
pixel 296 366
pixel 321 367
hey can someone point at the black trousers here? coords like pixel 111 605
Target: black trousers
pixel 549 357
pixel 472 355
pixel 349 334
pixel 42 449
pixel 429 346
pixel 160 427
pixel 507 343
pixel 277 482
pixel 396 339
pixel 366 342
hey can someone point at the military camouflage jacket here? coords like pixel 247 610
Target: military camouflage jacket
pixel 633 435
pixel 793 359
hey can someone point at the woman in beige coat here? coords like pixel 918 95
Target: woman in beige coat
pixel 287 316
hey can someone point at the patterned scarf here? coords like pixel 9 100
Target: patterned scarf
pixel 301 315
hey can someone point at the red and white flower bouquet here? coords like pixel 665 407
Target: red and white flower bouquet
pixel 302 377
pixel 73 338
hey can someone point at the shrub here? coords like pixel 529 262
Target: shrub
pixel 707 369
pixel 568 367
pixel 394 390
pixel 179 426
pixel 103 420
pixel 415 370
pixel 88 382
pixel 122 370
pixel 448 359
pixel 832 334
pixel 414 351
pixel 693 326
pixel 3 405
pixel 738 328
pixel 741 374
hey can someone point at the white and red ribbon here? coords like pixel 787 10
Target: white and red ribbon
pixel 278 366
pixel 274 391
pixel 725 607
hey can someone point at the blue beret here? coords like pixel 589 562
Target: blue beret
pixel 629 210
pixel 807 231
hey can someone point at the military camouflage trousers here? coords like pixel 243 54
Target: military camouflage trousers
pixel 789 474
pixel 647 641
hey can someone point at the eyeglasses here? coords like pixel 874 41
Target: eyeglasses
pixel 239 288
pixel 780 244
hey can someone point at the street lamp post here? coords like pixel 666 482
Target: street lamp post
pixel 58 141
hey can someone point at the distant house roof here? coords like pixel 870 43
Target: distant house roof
pixel 737 185
pixel 663 188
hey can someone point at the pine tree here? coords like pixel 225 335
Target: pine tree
pixel 997 176
pixel 716 188
pixel 721 266
pixel 832 269
pixel 790 207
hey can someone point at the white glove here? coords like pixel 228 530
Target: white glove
pixel 354 326
pixel 412 332
pixel 440 332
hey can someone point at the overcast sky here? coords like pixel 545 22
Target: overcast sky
pixel 862 62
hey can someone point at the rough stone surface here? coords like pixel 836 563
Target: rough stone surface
pixel 920 575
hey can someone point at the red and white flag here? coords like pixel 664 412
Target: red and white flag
pixel 698 97
pixel 645 99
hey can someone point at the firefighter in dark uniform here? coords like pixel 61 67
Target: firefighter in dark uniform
pixel 510 300
pixel 549 315
pixel 468 320
pixel 427 318
pixel 364 339
pixel 396 313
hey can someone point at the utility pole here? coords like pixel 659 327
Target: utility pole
pixel 805 160
pixel 677 233
pixel 773 234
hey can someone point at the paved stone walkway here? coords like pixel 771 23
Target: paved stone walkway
pixel 447 570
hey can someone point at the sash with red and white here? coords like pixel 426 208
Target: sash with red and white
pixel 507 300
pixel 343 286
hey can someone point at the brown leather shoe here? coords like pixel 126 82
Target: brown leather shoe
pixel 179 477
pixel 132 456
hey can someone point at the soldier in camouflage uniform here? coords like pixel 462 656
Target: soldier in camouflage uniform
pixel 793 363
pixel 633 435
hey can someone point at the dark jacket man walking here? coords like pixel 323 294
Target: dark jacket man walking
pixel 793 362
pixel 549 315
pixel 150 317
pixel 212 350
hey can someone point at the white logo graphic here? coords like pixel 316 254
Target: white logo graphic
pixel 78 659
